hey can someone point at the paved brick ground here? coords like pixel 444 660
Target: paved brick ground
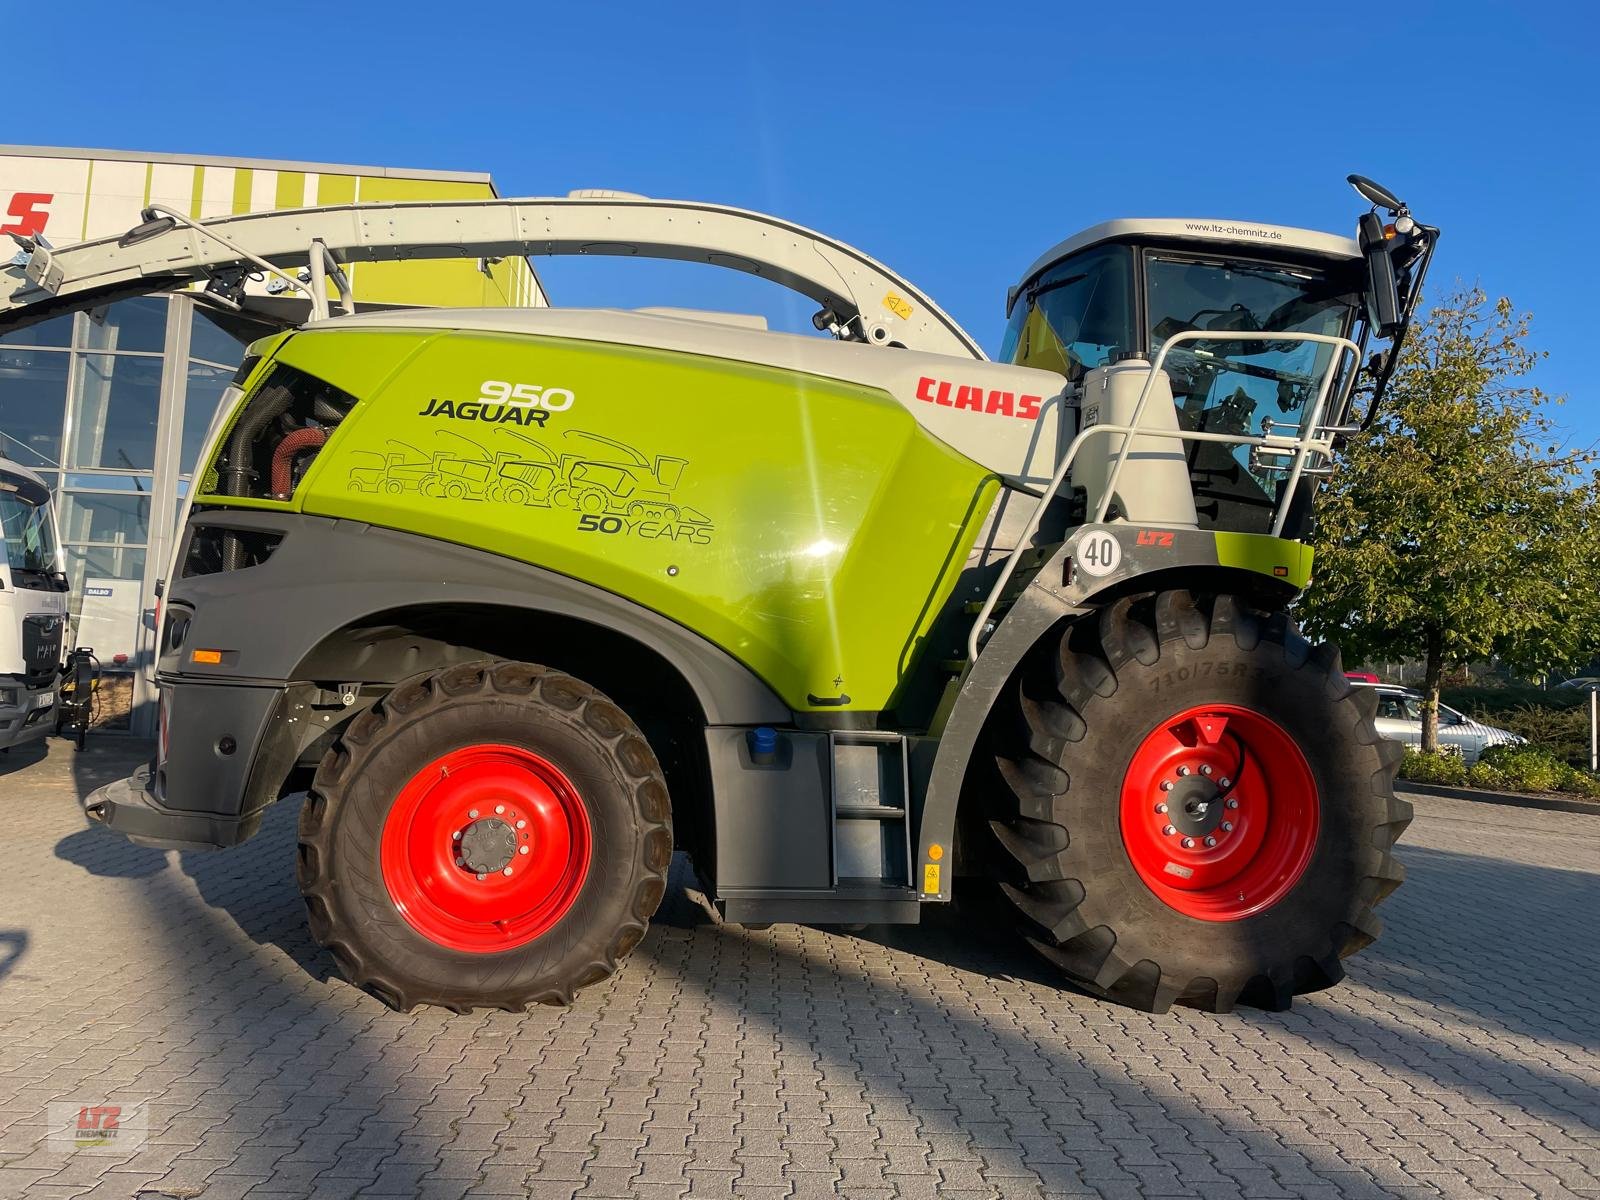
pixel 1462 1059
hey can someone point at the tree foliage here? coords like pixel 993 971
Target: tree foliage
pixel 1458 526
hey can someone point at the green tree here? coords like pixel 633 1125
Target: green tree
pixel 1458 527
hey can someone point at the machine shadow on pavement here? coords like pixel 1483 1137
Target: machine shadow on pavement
pixel 991 1059
pixel 13 945
pixel 20 758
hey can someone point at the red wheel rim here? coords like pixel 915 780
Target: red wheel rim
pixel 485 848
pixel 1219 812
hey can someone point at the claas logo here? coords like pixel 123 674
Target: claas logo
pixel 977 399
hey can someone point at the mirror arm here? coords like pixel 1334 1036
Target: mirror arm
pixel 1419 275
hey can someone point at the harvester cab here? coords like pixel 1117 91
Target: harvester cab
pixel 929 617
pixel 1221 329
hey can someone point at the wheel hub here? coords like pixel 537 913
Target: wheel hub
pixel 487 846
pixel 1219 812
pixel 1196 807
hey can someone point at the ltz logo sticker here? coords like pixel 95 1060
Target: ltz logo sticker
pixel 96 1126
pixel 977 399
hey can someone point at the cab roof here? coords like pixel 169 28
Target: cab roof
pixel 1201 231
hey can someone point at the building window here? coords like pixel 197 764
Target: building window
pixel 90 517
pixel 118 405
pixel 33 401
pixel 206 385
pixel 208 342
pixel 139 324
pixel 57 331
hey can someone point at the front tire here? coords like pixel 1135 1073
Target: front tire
pixel 493 834
pixel 1200 809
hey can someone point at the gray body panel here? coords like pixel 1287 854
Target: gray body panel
pixel 330 573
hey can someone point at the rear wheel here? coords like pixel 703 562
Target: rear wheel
pixel 491 834
pixel 1200 810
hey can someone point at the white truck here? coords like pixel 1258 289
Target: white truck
pixel 33 606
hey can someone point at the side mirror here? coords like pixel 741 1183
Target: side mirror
pixel 1374 193
pixel 153 226
pixel 1383 293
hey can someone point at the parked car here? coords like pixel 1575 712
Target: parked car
pixel 1400 720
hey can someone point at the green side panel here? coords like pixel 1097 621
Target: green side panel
pixel 243 180
pixel 444 282
pixel 336 189
pixel 362 375
pixel 1279 558
pixel 808 527
pixel 290 190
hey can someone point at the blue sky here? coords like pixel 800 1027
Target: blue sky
pixel 952 141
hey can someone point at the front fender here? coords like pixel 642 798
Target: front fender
pixel 1073 581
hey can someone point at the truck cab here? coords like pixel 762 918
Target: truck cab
pixel 33 606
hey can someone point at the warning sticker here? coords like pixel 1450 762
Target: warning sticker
pixel 930 878
pixel 897 306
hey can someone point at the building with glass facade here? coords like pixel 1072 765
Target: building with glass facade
pixel 111 405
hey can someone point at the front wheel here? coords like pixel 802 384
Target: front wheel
pixel 1200 809
pixel 493 834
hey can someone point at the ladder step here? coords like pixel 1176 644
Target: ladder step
pixel 871 812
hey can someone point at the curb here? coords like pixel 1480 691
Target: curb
pixel 1510 799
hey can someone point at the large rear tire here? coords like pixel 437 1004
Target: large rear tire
pixel 1199 808
pixel 493 834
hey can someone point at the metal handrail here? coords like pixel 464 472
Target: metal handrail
pixel 1312 438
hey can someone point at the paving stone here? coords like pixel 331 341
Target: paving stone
pixel 890 1064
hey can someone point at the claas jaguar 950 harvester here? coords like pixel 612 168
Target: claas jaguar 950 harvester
pixel 525 599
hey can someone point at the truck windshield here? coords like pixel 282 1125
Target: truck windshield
pixel 29 537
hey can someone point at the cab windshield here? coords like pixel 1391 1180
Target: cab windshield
pixel 1226 385
pixel 1237 386
pixel 30 543
pixel 1115 300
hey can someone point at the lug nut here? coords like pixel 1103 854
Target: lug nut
pixel 1224 783
pixel 1183 770
pixel 1233 804
pixel 1211 841
pixel 1166 785
pixel 1168 830
pixel 1161 808
pixel 507 871
pixel 499 808
pixel 461 862
pixel 1206 769
pixel 480 876
pixel 457 835
pixel 522 824
pixel 1188 843
pixel 1227 827
pixel 473 813
pixel 524 850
